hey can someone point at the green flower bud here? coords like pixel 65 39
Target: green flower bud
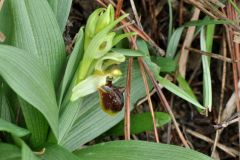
pixel 91 26
pixel 105 18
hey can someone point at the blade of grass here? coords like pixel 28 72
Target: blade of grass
pixel 175 38
pixel 170 25
pixel 207 83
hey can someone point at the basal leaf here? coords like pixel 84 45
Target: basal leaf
pixel 61 9
pixel 72 64
pixel 140 150
pixel 56 152
pixel 9 152
pixel 12 128
pixel 31 81
pixel 36 30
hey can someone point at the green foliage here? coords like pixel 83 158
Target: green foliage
pixel 166 64
pixel 140 150
pixel 140 123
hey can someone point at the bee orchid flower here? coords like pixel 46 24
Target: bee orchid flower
pixel 99 61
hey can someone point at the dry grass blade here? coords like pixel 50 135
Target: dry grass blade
pixel 234 55
pixel 212 55
pixel 187 43
pixel 226 149
pixel 1 4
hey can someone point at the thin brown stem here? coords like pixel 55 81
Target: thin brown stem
pixel 128 100
pixel 218 133
pixel 119 8
pixel 212 55
pixel 149 101
pixel 164 101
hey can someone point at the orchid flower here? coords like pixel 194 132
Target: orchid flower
pixel 98 59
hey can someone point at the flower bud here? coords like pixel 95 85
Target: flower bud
pixel 105 18
pixel 91 26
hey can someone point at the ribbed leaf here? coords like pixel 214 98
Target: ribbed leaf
pixel 61 8
pixel 36 30
pixel 141 122
pixel 69 110
pixel 31 81
pixel 56 152
pixel 9 152
pixel 132 150
pixel 12 128
pixel 72 64
pixel 27 153
pixel 92 121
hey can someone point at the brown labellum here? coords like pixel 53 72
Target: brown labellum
pixel 111 97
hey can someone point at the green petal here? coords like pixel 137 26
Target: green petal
pixel 88 86
pixel 109 59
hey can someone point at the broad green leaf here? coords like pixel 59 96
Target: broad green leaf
pixel 166 64
pixel 9 152
pixel 185 86
pixel 68 117
pixel 72 64
pixel 128 52
pixel 140 150
pixel 12 128
pixel 56 152
pixel 92 121
pixel 31 81
pixel 36 30
pixel 54 5
pixel 32 117
pixel 27 153
pixel 175 38
pixel 140 122
pixel 61 9
pixel 178 91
